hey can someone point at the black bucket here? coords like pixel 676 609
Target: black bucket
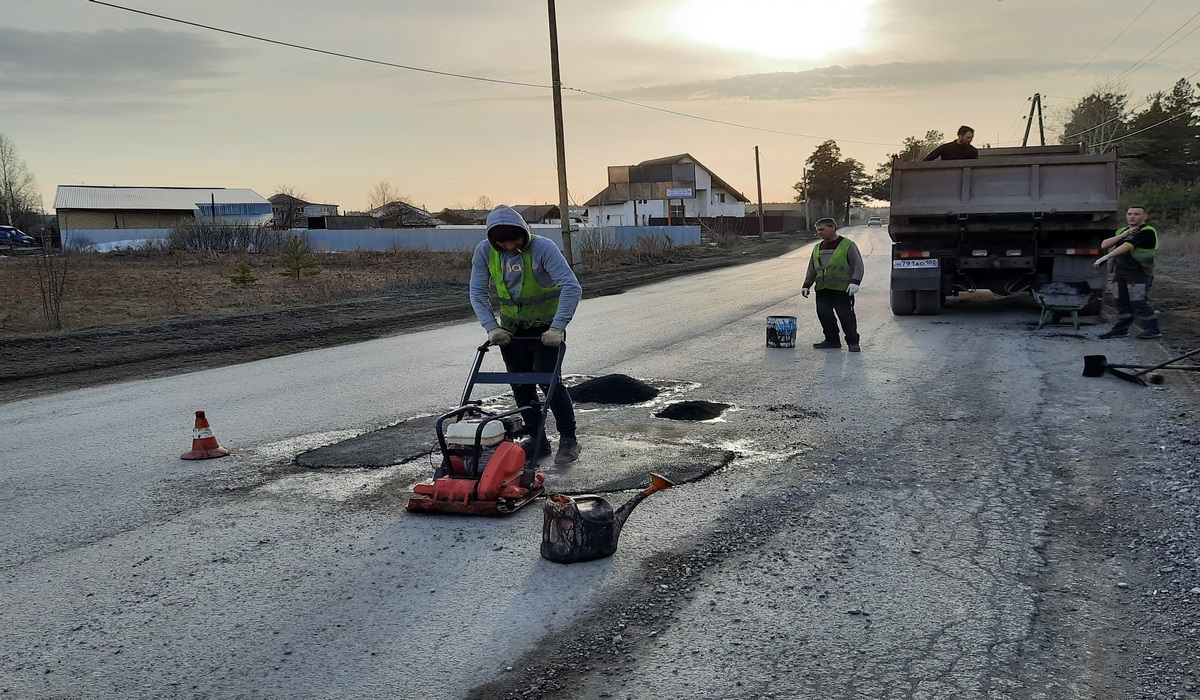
pixel 781 331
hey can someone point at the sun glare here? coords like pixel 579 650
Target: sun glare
pixel 785 29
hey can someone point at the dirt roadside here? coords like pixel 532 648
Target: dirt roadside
pixel 43 363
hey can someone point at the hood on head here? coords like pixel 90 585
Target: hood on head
pixel 504 223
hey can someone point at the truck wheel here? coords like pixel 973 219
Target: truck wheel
pixel 928 301
pixel 904 302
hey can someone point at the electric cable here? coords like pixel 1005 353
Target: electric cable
pixel 464 76
pixel 1114 40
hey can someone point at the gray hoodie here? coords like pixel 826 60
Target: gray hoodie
pixel 550 269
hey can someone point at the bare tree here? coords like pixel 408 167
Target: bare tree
pixel 384 193
pixel 484 202
pixel 19 198
pixel 289 202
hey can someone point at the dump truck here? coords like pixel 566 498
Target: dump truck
pixel 1014 220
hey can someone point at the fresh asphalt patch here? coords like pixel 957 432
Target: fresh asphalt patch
pixel 608 463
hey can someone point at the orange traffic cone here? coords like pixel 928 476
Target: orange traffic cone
pixel 204 443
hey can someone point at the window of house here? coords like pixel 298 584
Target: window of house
pixel 608 217
pixel 643 201
pixel 676 211
pixel 720 198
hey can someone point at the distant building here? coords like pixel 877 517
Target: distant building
pixel 293 212
pixel 404 215
pixel 676 188
pixel 100 215
pixel 464 217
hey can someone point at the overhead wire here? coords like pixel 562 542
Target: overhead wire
pixel 1137 64
pixel 1106 46
pixel 464 76
pixel 1128 112
pixel 1143 61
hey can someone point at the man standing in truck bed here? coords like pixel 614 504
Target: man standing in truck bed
pixel 1132 253
pixel 960 149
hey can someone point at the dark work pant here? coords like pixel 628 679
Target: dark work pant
pixel 834 306
pixel 1133 303
pixel 531 356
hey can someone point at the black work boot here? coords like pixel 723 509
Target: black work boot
pixel 568 450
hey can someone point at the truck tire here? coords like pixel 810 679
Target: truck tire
pixel 904 302
pixel 928 302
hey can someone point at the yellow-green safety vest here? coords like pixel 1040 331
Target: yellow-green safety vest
pixel 537 304
pixel 835 274
pixel 1144 256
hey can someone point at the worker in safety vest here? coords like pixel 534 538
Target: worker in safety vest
pixel 836 270
pixel 537 292
pixel 1132 251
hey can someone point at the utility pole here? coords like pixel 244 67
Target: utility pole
pixel 1029 121
pixel 849 191
pixel 758 176
pixel 807 209
pixel 1037 99
pixel 564 212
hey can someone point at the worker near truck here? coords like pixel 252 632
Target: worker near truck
pixel 538 293
pixel 1132 251
pixel 836 269
pixel 958 149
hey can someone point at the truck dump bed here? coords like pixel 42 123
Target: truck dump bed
pixel 1039 184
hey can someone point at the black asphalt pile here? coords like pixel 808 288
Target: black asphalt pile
pixel 613 389
pixel 693 410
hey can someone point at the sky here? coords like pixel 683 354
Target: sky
pixel 450 101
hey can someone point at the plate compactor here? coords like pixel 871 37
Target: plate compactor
pixel 486 466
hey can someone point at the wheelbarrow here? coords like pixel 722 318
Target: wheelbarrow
pixel 1098 365
pixel 1058 298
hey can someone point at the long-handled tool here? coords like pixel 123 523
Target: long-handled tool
pixel 1097 365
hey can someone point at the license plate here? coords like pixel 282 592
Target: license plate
pixel 909 264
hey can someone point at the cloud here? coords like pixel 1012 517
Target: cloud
pixel 108 71
pixel 837 81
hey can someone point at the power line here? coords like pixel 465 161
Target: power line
pixel 1114 40
pixel 1143 61
pixel 719 121
pixel 472 77
pixel 1128 113
pixel 321 51
pixel 1152 126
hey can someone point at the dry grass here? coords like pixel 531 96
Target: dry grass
pixel 103 289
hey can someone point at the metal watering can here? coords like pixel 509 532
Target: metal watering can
pixel 582 528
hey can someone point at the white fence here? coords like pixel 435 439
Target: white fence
pixel 449 238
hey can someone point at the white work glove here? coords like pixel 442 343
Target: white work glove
pixel 499 336
pixel 1100 261
pixel 852 289
pixel 554 337
pixel 804 292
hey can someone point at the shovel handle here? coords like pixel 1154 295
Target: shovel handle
pixel 1191 367
pixel 1164 364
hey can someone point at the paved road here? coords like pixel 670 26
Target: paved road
pixel 906 522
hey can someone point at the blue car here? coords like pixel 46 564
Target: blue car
pixel 12 237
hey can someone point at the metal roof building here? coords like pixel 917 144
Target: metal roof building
pixel 100 215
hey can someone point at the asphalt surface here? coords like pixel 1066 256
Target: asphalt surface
pixel 952 513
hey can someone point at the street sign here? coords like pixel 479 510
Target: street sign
pixel 681 193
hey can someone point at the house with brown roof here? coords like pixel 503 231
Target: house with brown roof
pixel 677 188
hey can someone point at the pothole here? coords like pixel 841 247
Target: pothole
pixel 613 389
pixel 693 411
